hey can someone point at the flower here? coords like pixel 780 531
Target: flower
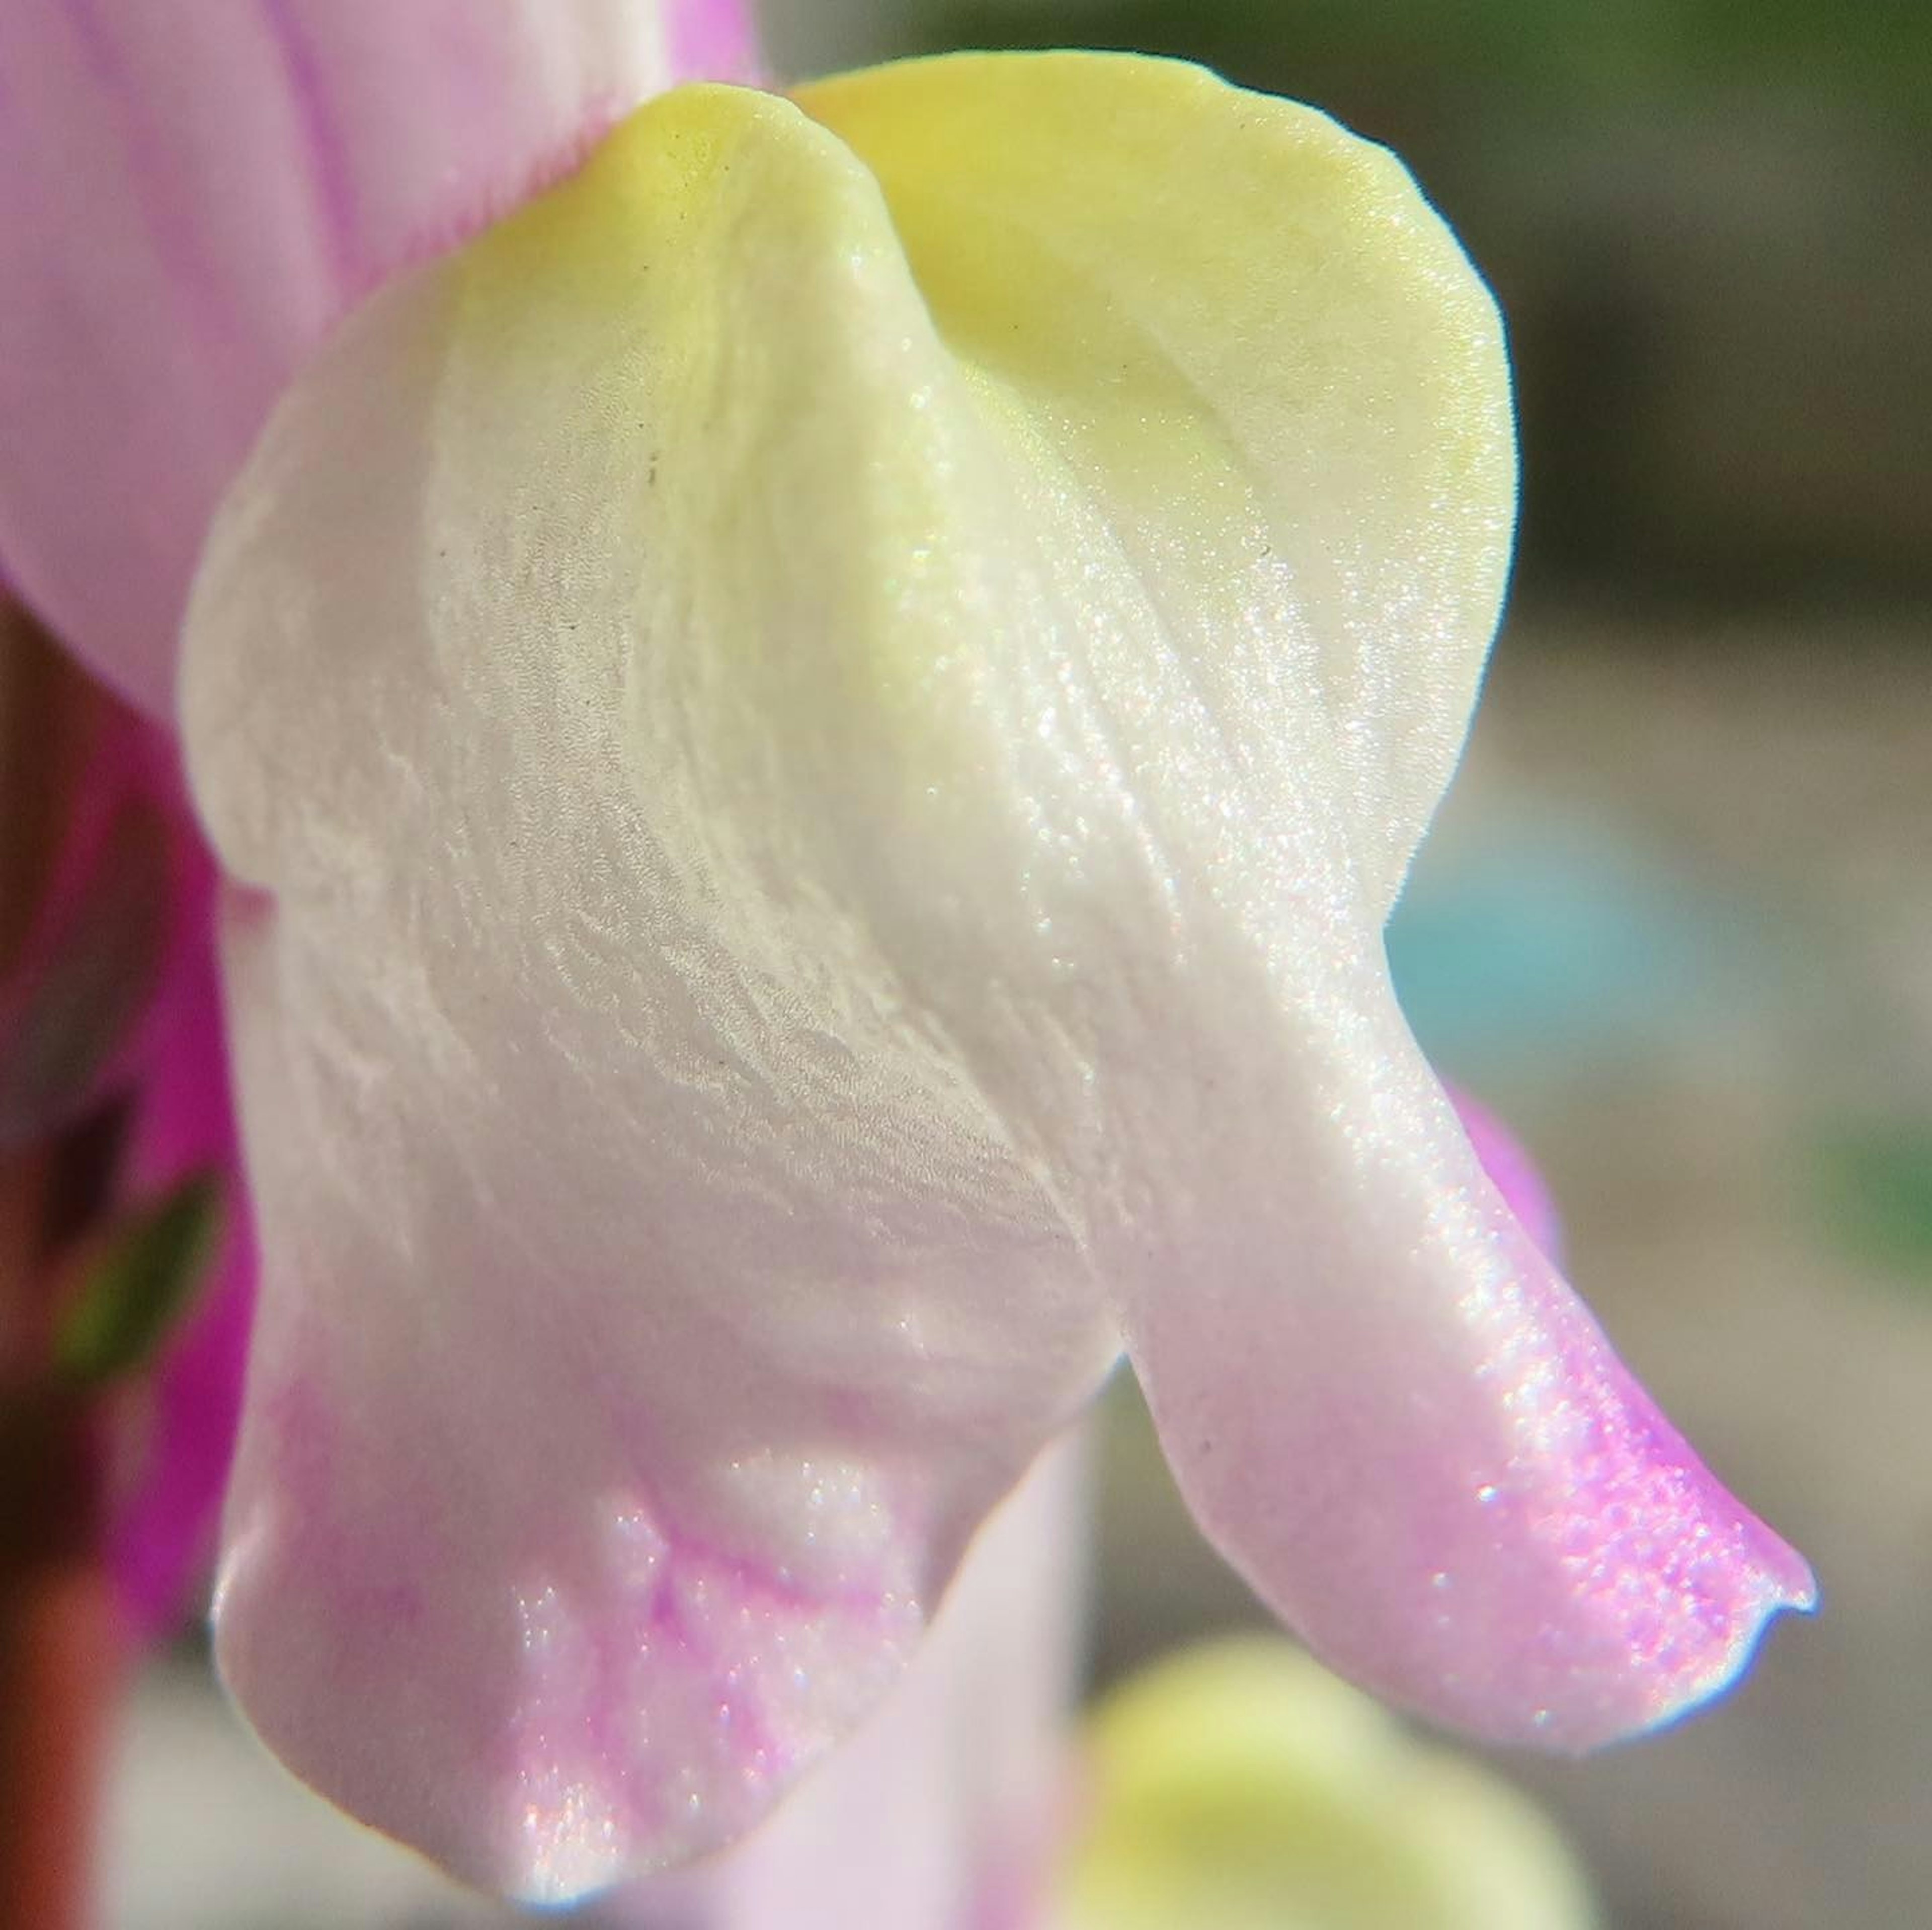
pixel 1238 1784
pixel 811 738
pixel 185 1417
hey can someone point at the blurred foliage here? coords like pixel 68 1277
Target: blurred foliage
pixel 1880 51
pixel 134 1290
pixel 1874 1185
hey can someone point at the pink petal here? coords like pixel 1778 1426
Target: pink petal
pixel 948 1807
pixel 191 193
pixel 1389 1413
pixel 1512 1172
pixel 121 958
pixel 713 39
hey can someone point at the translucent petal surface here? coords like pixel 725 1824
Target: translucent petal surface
pixel 815 758
pixel 191 193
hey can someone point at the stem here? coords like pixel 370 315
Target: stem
pixel 44 723
pixel 59 1660
pixel 60 1651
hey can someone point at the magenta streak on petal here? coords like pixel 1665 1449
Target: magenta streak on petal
pixel 1513 1173
pixel 333 181
pixel 946 1811
pixel 645 1665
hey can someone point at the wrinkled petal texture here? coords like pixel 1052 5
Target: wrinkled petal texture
pixel 821 736
pixel 191 194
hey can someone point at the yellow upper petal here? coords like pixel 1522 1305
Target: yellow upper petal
pixel 1241 330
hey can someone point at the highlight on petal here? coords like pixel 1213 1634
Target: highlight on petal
pixel 191 194
pixel 816 733
pixel 1423 1452
pixel 1240 1785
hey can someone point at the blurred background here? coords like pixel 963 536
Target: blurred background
pixel 1675 923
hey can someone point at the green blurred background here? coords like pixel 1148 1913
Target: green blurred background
pixel 1709 223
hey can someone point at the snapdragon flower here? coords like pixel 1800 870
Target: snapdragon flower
pixel 811 737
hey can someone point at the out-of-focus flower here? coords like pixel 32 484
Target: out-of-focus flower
pixel 177 1431
pixel 1241 1787
pixel 812 738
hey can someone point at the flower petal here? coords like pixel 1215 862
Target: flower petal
pixel 1260 397
pixel 817 758
pixel 1417 1444
pixel 1505 1159
pixel 191 194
